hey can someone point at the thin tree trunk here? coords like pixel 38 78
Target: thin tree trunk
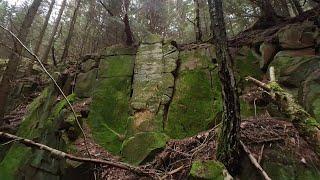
pixel 53 33
pixel 44 27
pixel 15 58
pixel 228 150
pixel 71 32
pixel 198 22
pixel 126 22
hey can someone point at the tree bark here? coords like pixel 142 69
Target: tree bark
pixel 228 151
pixel 15 58
pixel 268 16
pixel 281 8
pixel 198 22
pixel 71 32
pixel 44 27
pixel 53 33
pixel 126 22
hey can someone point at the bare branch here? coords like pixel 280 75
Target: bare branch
pixel 61 154
pixel 254 161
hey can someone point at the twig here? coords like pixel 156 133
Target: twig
pixel 254 161
pixel 172 172
pixel 55 83
pixel 261 154
pixel 61 154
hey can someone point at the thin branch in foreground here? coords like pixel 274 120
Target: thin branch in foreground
pixel 63 155
pixel 255 162
pixel 54 81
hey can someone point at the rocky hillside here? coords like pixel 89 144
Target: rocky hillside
pixel 153 106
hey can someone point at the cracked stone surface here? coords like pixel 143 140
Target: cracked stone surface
pixel 152 86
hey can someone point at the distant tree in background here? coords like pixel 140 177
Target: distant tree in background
pixel 15 57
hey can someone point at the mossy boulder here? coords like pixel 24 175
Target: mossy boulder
pixel 137 148
pixel 152 39
pixel 208 170
pixel 120 50
pixel 109 112
pixel 300 75
pixel 196 103
pixel 298 36
pixel 116 66
pixel 85 83
pixel 42 124
pixel 290 172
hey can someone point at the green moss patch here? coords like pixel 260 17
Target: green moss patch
pixel 116 66
pixel 40 124
pixel 208 170
pixel 137 148
pixel 194 105
pixel 109 112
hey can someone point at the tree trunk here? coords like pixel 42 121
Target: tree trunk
pixel 228 143
pixel 281 7
pixel 71 32
pixel 15 58
pixel 198 22
pixel 44 27
pixel 126 22
pixel 268 16
pixel 53 33
pixel 297 6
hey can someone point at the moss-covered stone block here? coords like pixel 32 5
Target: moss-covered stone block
pixel 42 124
pixel 208 170
pixel 120 50
pixel 292 70
pixel 152 38
pixel 195 104
pixel 116 66
pixel 109 112
pixel 85 83
pixel 136 149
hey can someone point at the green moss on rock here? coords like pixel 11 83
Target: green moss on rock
pixel 136 149
pixel 116 66
pixel 41 123
pixel 85 83
pixel 208 170
pixel 109 112
pixel 197 99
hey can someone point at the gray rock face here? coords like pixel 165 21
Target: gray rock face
pixel 85 83
pixel 152 86
pixel 298 36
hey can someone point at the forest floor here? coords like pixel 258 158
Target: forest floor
pixel 262 135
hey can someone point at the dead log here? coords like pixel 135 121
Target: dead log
pixel 306 125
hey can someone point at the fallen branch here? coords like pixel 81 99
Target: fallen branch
pixel 54 81
pixel 255 162
pixel 172 172
pixel 307 126
pixel 63 155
